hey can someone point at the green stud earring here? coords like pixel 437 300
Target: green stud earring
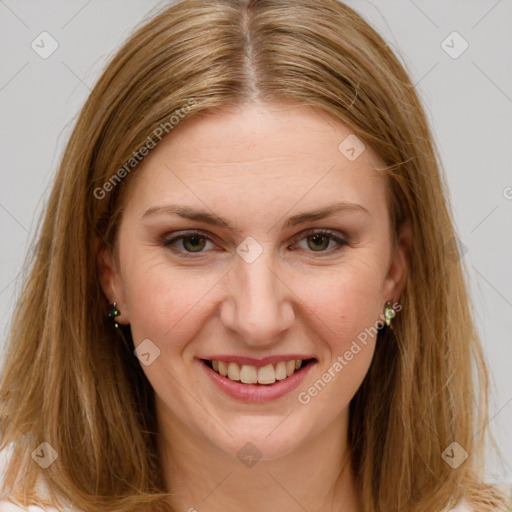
pixel 112 313
pixel 389 313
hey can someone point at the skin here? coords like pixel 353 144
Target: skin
pixel 255 166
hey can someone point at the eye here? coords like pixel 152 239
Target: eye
pixel 318 240
pixel 191 242
pixel 194 242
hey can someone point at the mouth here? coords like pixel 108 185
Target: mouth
pixel 267 375
pixel 264 381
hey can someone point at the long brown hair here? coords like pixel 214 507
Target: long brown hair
pixel 70 380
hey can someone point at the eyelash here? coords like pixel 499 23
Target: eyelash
pixel 311 232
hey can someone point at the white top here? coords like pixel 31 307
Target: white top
pixel 8 506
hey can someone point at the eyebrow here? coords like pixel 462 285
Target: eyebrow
pixel 214 220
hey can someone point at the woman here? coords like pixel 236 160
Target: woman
pixel 239 298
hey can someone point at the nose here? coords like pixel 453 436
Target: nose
pixel 259 305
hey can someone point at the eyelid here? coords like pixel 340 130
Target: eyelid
pixel 186 233
pixel 337 236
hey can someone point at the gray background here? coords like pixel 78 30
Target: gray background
pixel 468 100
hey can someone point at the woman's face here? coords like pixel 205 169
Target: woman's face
pixel 259 283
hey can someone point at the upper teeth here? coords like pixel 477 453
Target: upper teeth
pixel 251 374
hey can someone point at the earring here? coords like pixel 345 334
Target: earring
pixel 389 313
pixel 112 313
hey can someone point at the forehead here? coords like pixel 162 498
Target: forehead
pixel 259 132
pixel 261 155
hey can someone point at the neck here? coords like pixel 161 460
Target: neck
pixel 316 476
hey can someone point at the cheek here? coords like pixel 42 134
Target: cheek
pixel 162 299
pixel 346 308
pixel 165 304
pixel 345 301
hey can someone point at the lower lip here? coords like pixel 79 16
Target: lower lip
pixel 258 392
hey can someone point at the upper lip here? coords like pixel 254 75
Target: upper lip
pixel 251 361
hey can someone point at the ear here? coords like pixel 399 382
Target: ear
pixel 111 282
pixel 394 282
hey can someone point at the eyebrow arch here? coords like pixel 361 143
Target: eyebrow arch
pixel 215 220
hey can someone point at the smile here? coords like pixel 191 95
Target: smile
pixel 249 374
pixel 250 383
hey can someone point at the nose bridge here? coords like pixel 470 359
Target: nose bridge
pixel 259 308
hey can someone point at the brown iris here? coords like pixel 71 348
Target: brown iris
pixel 317 240
pixel 197 243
